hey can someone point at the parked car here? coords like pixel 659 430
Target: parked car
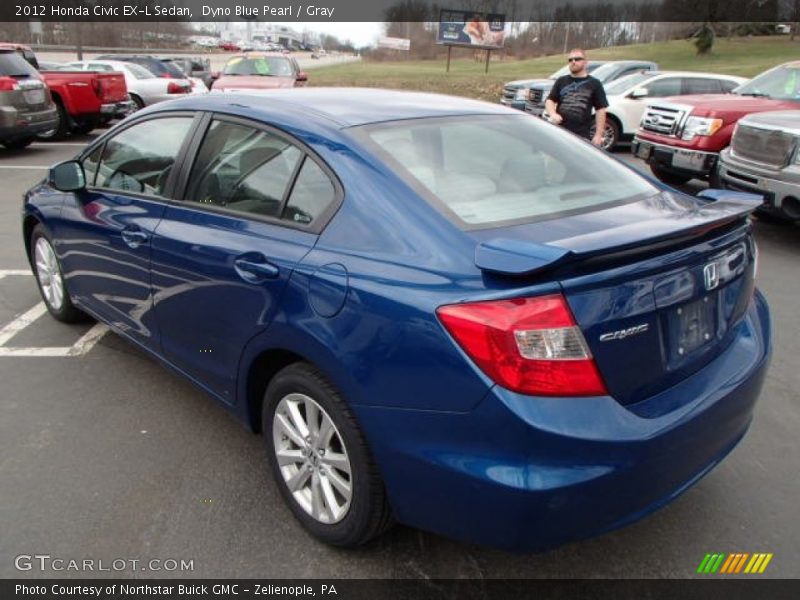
pixel 437 311
pixel 516 93
pixel 157 66
pixel 229 47
pixel 83 100
pixel 194 67
pixel 681 137
pixel 144 87
pixel 605 73
pixel 26 107
pixel 627 97
pixel 764 159
pixel 46 65
pixel 260 71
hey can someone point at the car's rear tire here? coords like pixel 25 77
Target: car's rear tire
pixel 137 101
pixel 18 144
pixel 50 280
pixel 60 131
pixel 669 177
pixel 316 448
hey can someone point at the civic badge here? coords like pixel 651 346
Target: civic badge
pixel 711 276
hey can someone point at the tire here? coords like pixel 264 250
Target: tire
pixel 18 144
pixel 137 101
pixel 668 177
pixel 52 287
pixel 62 126
pixel 289 401
pixel 84 128
pixel 610 135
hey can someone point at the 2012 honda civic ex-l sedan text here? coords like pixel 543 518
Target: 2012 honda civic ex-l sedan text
pixel 437 311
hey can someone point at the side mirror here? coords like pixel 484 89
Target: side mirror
pixel 302 76
pixel 639 93
pixel 67 176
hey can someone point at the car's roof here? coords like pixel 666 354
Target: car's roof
pixel 703 74
pixel 345 107
pixel 258 54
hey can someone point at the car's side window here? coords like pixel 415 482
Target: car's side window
pixel 698 85
pixel 98 67
pixel 244 169
pixel 668 86
pixel 312 194
pixel 140 158
pixel 90 165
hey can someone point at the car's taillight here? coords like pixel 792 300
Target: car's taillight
pixel 528 345
pixel 8 84
pixel 177 88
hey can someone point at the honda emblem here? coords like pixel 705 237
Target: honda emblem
pixel 711 275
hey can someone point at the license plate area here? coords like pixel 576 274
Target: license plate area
pixel 691 327
pixel 686 159
pixel 33 96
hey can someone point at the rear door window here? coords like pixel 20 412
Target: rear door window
pixel 668 86
pixel 700 85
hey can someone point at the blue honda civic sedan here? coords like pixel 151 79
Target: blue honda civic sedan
pixel 437 311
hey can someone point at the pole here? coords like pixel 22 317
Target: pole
pixel 79 40
pixel 449 50
pixel 488 54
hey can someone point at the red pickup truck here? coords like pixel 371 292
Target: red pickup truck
pixel 681 137
pixel 83 98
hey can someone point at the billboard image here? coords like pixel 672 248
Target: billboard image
pixel 469 28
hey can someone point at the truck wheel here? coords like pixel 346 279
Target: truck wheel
pixel 320 459
pixel 18 144
pixel 669 177
pixel 610 134
pixel 62 125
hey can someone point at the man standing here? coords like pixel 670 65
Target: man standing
pixel 573 97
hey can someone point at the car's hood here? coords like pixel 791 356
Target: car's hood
pixel 719 104
pixel 252 82
pixel 522 249
pixel 528 82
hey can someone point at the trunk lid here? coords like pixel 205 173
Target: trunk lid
pixel 657 287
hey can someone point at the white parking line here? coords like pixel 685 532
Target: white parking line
pixel 79 348
pixel 21 322
pixel 23 167
pixel 61 144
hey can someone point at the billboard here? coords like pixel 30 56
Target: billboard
pixel 470 28
pixel 394 43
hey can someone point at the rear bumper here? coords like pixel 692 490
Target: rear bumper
pixel 682 161
pixel 529 474
pixel 774 185
pixel 15 124
pixel 117 109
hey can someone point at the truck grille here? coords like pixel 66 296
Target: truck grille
pixel 766 146
pixel 535 96
pixel 509 93
pixel 665 120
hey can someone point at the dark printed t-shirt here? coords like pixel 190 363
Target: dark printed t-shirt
pixel 576 97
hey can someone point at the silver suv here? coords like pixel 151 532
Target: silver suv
pixel 764 158
pixel 26 107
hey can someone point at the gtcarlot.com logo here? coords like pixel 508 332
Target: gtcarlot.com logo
pixel 734 564
pixel 45 562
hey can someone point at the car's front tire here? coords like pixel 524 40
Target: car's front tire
pixel 320 459
pixel 50 279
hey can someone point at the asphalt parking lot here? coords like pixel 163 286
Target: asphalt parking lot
pixel 104 454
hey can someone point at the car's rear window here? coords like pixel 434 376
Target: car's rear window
pixel 490 171
pixel 13 65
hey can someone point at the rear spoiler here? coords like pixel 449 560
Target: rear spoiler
pixel 517 257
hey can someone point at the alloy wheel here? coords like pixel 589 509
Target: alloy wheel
pixel 312 458
pixel 48 274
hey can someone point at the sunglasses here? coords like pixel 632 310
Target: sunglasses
pixel 575 59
